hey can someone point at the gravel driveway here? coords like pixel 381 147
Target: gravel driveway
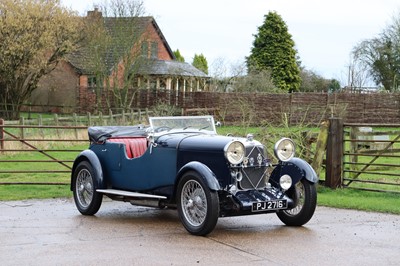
pixel 52 232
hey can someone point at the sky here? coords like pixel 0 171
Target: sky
pixel 324 32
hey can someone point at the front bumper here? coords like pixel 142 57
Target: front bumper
pixel 243 202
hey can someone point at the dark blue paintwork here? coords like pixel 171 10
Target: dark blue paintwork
pixel 90 156
pixel 297 169
pixel 159 169
pixel 185 167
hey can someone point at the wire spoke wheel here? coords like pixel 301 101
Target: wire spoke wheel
pixel 84 188
pixel 304 195
pixel 300 200
pixel 87 200
pixel 194 203
pixel 198 206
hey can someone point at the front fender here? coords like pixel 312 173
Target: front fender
pixel 204 172
pixel 297 169
pixel 90 156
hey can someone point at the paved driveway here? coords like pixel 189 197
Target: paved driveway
pixel 52 232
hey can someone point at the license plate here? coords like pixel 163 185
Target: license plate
pixel 269 205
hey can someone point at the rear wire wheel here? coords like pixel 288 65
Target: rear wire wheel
pixel 304 194
pixel 198 206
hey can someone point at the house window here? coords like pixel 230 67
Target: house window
pixel 92 81
pixel 145 49
pixel 154 50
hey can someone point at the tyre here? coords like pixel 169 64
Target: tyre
pixel 304 194
pixel 198 206
pixel 87 200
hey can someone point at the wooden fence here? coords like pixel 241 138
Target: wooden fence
pixel 89 119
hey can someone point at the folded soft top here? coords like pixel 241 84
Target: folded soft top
pixel 102 133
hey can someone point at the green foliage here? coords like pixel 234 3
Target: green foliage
pixel 334 86
pixel 200 62
pixel 381 56
pixel 312 82
pixel 273 49
pixel 255 82
pixel 178 56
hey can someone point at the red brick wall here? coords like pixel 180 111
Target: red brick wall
pixel 152 35
pixel 58 88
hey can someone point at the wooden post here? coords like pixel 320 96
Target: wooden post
pixel 22 123
pixel 56 122
pixel 111 116
pixel 123 117
pixel 1 134
pixel 334 154
pixel 56 119
pixel 321 147
pixel 89 119
pixel 101 122
pixel 75 118
pixel 40 124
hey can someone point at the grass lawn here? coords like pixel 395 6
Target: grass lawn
pixel 359 200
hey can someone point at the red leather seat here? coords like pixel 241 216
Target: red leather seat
pixel 138 146
pixel 135 146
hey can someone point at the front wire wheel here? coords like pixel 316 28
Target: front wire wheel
pixel 198 206
pixel 87 200
pixel 304 194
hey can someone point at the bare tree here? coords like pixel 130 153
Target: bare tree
pixel 358 74
pixel 233 77
pixel 381 56
pixel 116 48
pixel 122 8
pixel 35 35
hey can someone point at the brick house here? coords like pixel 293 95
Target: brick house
pixel 70 86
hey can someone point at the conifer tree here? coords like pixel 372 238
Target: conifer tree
pixel 178 56
pixel 200 62
pixel 274 50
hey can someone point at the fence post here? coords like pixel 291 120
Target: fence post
pixel 334 154
pixel 75 118
pixel 101 121
pixel 1 134
pixel 89 119
pixel 320 149
pixel 22 123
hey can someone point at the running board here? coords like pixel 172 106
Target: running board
pixel 129 194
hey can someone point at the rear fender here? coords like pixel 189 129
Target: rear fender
pixel 91 157
pixel 297 169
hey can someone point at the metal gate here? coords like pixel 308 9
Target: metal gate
pixel 371 157
pixel 39 155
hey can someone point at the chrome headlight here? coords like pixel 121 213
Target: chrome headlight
pixel 234 152
pixel 284 149
pixel 285 182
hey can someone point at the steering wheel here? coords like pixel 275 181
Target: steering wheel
pixel 162 128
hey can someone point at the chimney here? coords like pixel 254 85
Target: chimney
pixel 95 13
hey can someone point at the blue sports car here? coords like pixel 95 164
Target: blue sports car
pixel 182 163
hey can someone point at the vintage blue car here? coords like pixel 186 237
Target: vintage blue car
pixel 182 163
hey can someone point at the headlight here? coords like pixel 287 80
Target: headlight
pixel 284 149
pixel 285 182
pixel 234 152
